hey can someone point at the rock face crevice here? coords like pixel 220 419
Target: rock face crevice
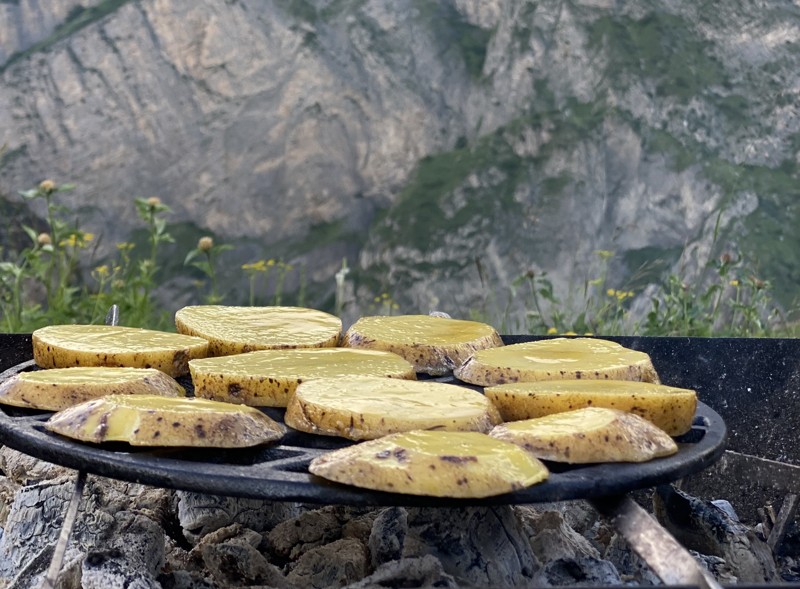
pixel 499 131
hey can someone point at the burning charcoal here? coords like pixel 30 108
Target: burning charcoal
pixel 552 538
pixel 408 572
pixel 336 564
pixel 577 571
pixel 201 514
pixel 292 538
pixel 236 563
pixel 483 546
pixel 109 569
pixel 387 536
pixel 701 526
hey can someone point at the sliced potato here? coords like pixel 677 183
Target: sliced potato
pixel 592 434
pixel 235 330
pixel 363 408
pixel 434 345
pixel 270 377
pixel 559 358
pixel 64 346
pixel 669 408
pixel 433 463
pixel 148 420
pixel 59 388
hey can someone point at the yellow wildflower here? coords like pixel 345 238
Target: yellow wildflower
pixel 260 266
pixel 124 246
pixel 101 271
pixel 611 292
pixel 604 253
pixel 552 331
pixel 734 282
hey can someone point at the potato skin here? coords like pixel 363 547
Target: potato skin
pixel 365 408
pixel 59 388
pixel 238 330
pixel 411 341
pixel 146 420
pixel 269 378
pixel 438 464
pixel 64 346
pixel 671 409
pixel 588 435
pixel 513 364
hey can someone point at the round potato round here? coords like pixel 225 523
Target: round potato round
pixel 147 420
pixel 363 408
pixel 434 345
pixel 58 388
pixel 235 330
pixel 554 359
pixel 268 378
pixel 669 408
pixel 433 463
pixel 589 435
pixel 64 346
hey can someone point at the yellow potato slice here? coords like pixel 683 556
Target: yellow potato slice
pixel 433 463
pixel 671 409
pixel 434 345
pixel 363 408
pixel 235 330
pixel 558 358
pixel 148 420
pixel 64 346
pixel 59 388
pixel 592 434
pixel 268 378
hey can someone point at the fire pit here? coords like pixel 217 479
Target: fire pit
pixel 280 473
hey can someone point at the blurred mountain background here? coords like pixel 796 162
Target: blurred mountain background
pixel 443 148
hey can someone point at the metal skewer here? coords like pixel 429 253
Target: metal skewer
pixel 112 318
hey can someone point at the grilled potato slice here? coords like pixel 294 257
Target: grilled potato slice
pixel 270 377
pixel 433 463
pixel 148 420
pixel 235 330
pixel 363 408
pixel 59 388
pixel 554 359
pixel 592 434
pixel 434 345
pixel 669 408
pixel 64 346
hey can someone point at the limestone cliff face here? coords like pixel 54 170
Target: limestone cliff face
pixel 422 140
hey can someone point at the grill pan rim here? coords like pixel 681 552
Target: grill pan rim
pixel 286 478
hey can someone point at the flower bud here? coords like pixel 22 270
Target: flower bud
pixel 153 202
pixel 44 239
pixel 47 186
pixel 204 244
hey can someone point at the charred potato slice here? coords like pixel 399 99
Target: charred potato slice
pixel 235 330
pixel 434 345
pixel 589 435
pixel 59 388
pixel 270 377
pixel 559 358
pixel 64 346
pixel 147 420
pixel 365 408
pixel 671 409
pixel 433 463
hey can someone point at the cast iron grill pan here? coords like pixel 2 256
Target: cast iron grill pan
pixel 280 472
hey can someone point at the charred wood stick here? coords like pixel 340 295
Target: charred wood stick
pixel 656 546
pixel 785 516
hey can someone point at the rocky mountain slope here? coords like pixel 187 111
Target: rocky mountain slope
pixel 444 148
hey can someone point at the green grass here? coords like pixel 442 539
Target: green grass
pixel 78 18
pixel 661 47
